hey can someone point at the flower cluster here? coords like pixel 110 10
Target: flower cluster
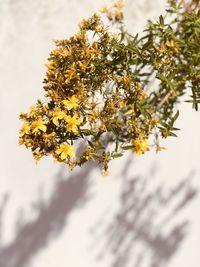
pixel 95 94
pixel 115 13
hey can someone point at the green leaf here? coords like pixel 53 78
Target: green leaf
pixel 90 143
pixel 172 134
pixel 127 147
pixel 175 117
pixel 161 20
pixel 116 155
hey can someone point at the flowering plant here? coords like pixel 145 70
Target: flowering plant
pixel 97 87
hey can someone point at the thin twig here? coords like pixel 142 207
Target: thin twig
pixel 167 96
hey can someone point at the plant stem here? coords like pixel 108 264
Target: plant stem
pixel 167 96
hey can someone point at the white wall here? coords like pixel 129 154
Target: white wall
pixel 145 214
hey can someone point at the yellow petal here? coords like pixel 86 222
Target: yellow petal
pixel 64 154
pixel 36 130
pixel 131 111
pixel 67 118
pixel 71 151
pixel 74 129
pixel 139 152
pixel 55 121
pixel 67 104
pixel 58 151
pixel 43 128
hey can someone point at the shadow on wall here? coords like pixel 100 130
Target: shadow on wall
pixel 36 234
pixel 148 228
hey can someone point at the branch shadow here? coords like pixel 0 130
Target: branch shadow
pixel 3 204
pixel 34 235
pixel 149 226
pixel 146 227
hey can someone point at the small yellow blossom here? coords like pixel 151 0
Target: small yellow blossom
pixel 83 65
pixel 172 44
pixel 49 139
pixel 105 173
pixel 67 52
pixel 89 52
pixel 93 116
pixel 72 123
pixel 65 150
pixel 125 79
pixel 130 111
pixel 118 13
pixel 87 153
pixel 39 125
pixel 71 163
pixel 49 136
pixel 24 130
pixel 140 145
pixel 159 148
pixel 33 112
pixel 37 155
pixel 33 109
pixel 58 115
pixel 71 102
pixel 153 121
pixel 162 48
pixel 51 65
pixel 71 73
pixel 79 36
pixel 104 9
pixel 142 94
pixel 27 142
pixel 120 4
pixel 45 107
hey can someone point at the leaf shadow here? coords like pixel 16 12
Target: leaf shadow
pixel 36 234
pixel 150 224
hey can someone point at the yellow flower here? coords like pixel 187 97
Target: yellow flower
pixel 24 130
pixel 93 115
pixel 118 14
pixel 140 145
pixel 105 173
pixel 67 52
pixel 50 65
pixel 33 112
pixel 119 4
pixel 131 110
pixel 71 102
pixel 159 148
pixel 37 156
pixel 49 136
pixel 104 9
pixel 58 115
pixel 142 94
pixel 172 44
pixel 65 150
pixel 162 47
pixel 72 123
pixel 83 65
pixel 49 139
pixel 153 121
pixel 71 73
pixel 125 79
pixel 38 126
pixel 79 36
pixel 33 109
pixel 89 52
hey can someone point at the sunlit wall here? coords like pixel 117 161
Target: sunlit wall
pixel 145 214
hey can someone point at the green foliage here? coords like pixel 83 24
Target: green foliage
pixel 98 86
